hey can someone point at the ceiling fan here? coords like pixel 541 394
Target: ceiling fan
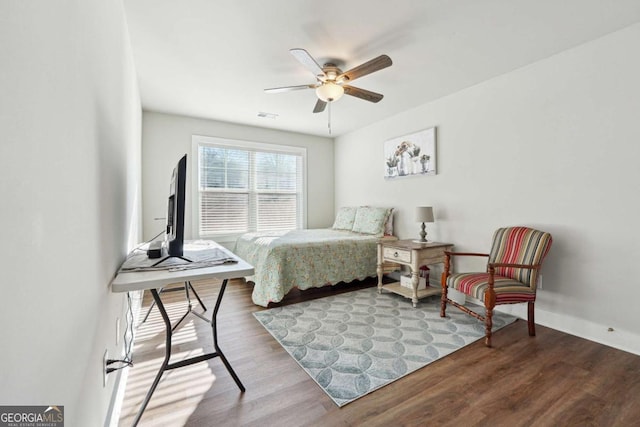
pixel 331 82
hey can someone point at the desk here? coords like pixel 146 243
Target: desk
pixel 413 255
pixel 155 280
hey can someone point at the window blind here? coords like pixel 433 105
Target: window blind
pixel 246 189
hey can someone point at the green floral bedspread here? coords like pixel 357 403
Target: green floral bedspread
pixel 305 259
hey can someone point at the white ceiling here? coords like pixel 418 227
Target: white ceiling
pixel 213 58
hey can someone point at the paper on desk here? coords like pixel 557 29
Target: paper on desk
pixel 199 259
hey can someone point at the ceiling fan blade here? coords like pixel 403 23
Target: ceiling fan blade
pixel 289 88
pixel 376 64
pixel 320 105
pixel 367 95
pixel 307 60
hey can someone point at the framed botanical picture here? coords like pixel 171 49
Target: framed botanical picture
pixel 411 155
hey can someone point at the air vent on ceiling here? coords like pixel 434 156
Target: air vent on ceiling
pixel 267 115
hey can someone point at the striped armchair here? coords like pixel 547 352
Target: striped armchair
pixel 512 272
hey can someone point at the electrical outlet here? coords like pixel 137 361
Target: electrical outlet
pixel 539 284
pixel 117 331
pixel 104 367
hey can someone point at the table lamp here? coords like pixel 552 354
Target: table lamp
pixel 424 214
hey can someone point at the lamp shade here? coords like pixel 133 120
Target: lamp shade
pixel 329 91
pixel 424 214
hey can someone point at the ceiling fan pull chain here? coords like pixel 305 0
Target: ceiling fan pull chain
pixel 329 123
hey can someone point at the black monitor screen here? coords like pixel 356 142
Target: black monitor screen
pixel 176 209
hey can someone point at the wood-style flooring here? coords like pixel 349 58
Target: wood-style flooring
pixel 553 379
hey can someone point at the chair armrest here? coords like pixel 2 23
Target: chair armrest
pixel 448 255
pixel 465 254
pixel 491 269
pixel 503 264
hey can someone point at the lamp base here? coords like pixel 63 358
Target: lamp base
pixel 420 241
pixel 423 235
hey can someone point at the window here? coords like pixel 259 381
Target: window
pixel 244 187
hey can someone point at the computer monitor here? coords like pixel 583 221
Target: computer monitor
pixel 176 209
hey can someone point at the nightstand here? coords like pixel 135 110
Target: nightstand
pixel 413 255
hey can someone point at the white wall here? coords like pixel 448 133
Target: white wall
pixel 70 188
pixel 167 137
pixel 554 145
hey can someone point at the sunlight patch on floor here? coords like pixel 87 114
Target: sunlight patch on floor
pixel 179 391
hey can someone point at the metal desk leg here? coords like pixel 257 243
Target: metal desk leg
pixel 167 353
pixel 215 337
pixel 187 286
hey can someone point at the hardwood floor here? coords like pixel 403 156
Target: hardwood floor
pixel 554 379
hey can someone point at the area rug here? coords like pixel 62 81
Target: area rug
pixel 356 342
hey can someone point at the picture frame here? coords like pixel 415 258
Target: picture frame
pixel 411 155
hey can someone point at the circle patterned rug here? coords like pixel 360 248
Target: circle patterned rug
pixel 354 343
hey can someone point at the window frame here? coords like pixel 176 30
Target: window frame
pixel 198 140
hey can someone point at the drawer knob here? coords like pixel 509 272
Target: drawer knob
pixel 395 254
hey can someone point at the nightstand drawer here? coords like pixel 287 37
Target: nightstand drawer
pixel 393 254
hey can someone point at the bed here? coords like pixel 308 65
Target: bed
pixel 311 258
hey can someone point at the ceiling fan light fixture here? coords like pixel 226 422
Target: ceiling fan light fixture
pixel 329 92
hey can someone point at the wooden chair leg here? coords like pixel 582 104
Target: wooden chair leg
pixel 443 298
pixel 531 319
pixel 489 304
pixel 488 325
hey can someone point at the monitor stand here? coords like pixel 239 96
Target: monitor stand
pixel 169 257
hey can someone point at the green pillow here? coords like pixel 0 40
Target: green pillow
pixel 370 220
pixel 344 218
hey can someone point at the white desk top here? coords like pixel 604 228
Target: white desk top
pixel 139 280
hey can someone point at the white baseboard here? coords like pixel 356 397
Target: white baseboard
pixel 592 331
pixel 117 397
pixel 620 339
